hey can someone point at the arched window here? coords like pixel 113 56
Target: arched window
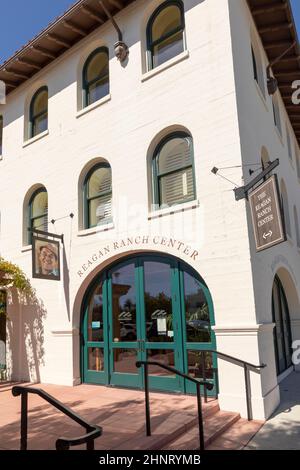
pixel 258 72
pixel 282 330
pixel 95 76
pixel 38 113
pixel 286 212
pixel 98 196
pixel 173 171
pixel 297 226
pixel 276 113
pixel 38 211
pixel 165 33
pixel 1 133
pixel 289 145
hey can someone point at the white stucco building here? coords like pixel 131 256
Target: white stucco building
pixel 159 260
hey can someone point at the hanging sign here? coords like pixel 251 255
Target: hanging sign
pixel 266 215
pixel 45 259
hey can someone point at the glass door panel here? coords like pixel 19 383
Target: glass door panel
pixel 161 313
pixel 198 336
pixel 125 325
pixel 95 357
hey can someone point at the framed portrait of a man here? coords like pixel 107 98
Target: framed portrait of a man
pixel 45 259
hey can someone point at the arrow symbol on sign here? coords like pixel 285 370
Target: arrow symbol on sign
pixel 266 235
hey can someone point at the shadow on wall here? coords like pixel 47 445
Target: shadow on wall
pixel 25 337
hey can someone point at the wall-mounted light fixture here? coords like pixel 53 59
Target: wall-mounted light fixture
pixel 121 49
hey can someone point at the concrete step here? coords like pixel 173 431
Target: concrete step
pixel 174 426
pixel 214 426
pixel 237 436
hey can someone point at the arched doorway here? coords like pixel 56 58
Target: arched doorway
pixel 282 330
pixel 147 307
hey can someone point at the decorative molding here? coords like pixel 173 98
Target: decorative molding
pixel 248 330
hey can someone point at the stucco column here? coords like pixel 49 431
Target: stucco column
pixel 254 344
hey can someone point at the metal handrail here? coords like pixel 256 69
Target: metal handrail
pixel 247 367
pixel 63 443
pixel 206 385
pixel 228 357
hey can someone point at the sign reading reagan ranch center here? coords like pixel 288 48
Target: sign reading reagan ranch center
pixel 266 215
pixel 138 242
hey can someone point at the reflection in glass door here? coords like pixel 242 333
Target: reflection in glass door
pixel 197 333
pixel 124 325
pixel 93 338
pixel 161 313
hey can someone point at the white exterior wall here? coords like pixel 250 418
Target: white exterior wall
pixel 198 94
pixel 257 130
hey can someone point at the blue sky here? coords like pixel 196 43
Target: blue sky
pixel 21 20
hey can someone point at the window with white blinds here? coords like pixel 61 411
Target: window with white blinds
pixel 38 212
pixel 98 196
pixel 173 171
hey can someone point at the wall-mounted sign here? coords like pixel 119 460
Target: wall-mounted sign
pixel 45 259
pixel 266 214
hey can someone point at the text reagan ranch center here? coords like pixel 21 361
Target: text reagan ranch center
pixel 178 245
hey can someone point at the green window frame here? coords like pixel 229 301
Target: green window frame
pixel 36 117
pixel 101 80
pixel 38 221
pixel 1 134
pixel 152 43
pixel 105 194
pixel 158 176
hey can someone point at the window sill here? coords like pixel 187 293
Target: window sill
pixel 175 60
pixel 92 106
pixel 174 209
pixel 26 248
pixel 97 229
pixel 34 139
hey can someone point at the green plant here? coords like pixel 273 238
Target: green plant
pixel 12 276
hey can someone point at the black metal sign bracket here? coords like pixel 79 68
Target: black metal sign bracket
pixel 46 234
pixel 242 192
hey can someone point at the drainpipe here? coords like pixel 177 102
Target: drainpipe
pixel 121 49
